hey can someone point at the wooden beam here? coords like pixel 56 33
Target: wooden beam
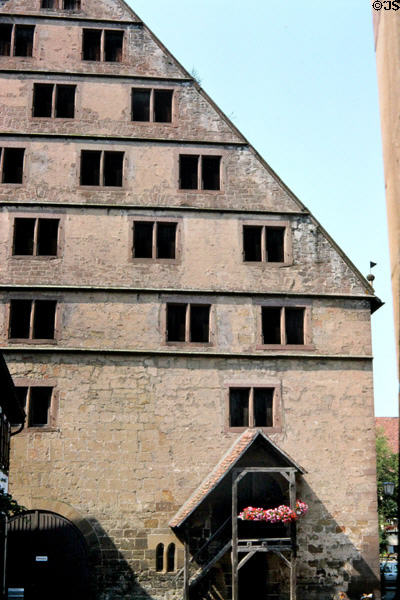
pixel 186 572
pixel 246 558
pixel 283 557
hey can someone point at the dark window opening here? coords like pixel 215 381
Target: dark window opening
pixel 239 407
pixel 188 172
pixel 143 239
pixel 166 240
pixel 140 105
pixel 44 319
pixel 21 393
pixel 13 165
pixel 113 46
pixel 39 406
pixel 71 4
pixel 20 318
pixel 48 4
pixel 199 323
pixel 113 162
pixel 24 231
pixel 275 244
pixel 271 325
pixel 42 99
pixel 262 400
pixel 47 237
pixel 90 167
pixel 65 101
pixel 163 106
pixel 294 319
pixel 252 242
pixel 211 172
pixel 23 44
pixel 171 558
pixel 176 322
pixel 5 39
pixel 160 557
pixel 91 45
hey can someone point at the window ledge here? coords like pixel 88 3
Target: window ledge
pixel 104 188
pixel 196 191
pixel 30 341
pixel 190 344
pixel 33 257
pixel 37 428
pixel 266 263
pixel 274 429
pixel 290 347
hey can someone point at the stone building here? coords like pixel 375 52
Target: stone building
pixel 186 338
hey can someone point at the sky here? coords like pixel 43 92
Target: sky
pixel 298 79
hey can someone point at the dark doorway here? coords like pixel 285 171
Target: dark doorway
pixel 47 556
pixel 253 578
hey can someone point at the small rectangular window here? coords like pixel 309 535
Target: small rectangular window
pixel 42 99
pixel 48 4
pixel 39 406
pixel 252 243
pixel 211 172
pixel 251 407
pixel 65 102
pixel 20 319
pixel 199 172
pixel 176 322
pixel 166 240
pixel 113 162
pixel 143 239
pixel 163 106
pixel 12 165
pixel 283 325
pixel 199 323
pixel 188 323
pixel 113 41
pixel 5 39
pixel 90 167
pixel 101 168
pixel 71 4
pixel 32 319
pixel 141 105
pixel 154 239
pixel 263 243
pixel 24 233
pixel 35 237
pixel 23 42
pixel 91 44
pixel 188 171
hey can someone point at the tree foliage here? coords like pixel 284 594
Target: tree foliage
pixel 387 469
pixel 9 506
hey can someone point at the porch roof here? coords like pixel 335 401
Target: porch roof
pixel 228 461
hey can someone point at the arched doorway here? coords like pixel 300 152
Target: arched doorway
pixel 47 556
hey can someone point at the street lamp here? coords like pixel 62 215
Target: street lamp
pixel 388 488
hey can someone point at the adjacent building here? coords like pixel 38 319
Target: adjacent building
pixel 186 338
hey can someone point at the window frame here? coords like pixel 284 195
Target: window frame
pixel 287 242
pixel 151 105
pixel 155 220
pixel 2 153
pixel 54 403
pixel 37 216
pixel 188 303
pixel 13 42
pixel 102 45
pixel 53 116
pixel 200 190
pixel 306 305
pixel 59 6
pixel 277 416
pixel 32 341
pixel 101 186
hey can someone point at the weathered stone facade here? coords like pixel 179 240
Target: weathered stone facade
pixel 136 421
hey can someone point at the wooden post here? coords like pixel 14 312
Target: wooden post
pixel 235 572
pixel 186 571
pixel 293 553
